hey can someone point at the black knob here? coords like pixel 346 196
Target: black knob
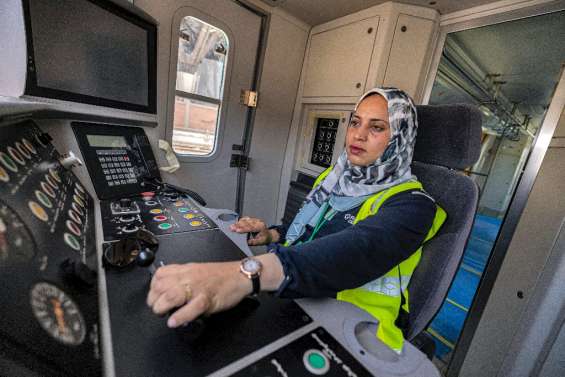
pixel 125 203
pixel 145 257
pixel 130 228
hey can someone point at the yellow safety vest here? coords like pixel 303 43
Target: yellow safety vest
pixel 382 297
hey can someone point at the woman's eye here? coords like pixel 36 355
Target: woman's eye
pixel 353 123
pixel 377 129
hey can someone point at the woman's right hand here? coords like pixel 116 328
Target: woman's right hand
pixel 263 235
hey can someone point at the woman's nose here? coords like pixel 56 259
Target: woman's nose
pixel 360 133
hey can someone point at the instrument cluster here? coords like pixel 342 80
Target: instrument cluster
pixel 47 259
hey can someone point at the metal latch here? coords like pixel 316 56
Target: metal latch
pixel 239 161
pixel 248 98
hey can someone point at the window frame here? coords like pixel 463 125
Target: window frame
pixel 179 15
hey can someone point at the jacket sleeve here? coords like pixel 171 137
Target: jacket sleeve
pixel 359 253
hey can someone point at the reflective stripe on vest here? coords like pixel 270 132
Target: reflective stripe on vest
pixel 381 297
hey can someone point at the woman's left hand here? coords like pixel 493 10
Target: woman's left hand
pixel 196 288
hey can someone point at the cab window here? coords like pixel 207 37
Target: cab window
pixel 201 65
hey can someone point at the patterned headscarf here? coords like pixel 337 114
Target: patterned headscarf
pixel 348 185
pixel 392 168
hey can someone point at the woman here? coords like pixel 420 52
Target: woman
pixel 356 238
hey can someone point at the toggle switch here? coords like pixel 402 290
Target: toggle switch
pixel 70 160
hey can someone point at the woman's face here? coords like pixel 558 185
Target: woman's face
pixel 368 133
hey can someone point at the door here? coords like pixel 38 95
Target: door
pixel 213 54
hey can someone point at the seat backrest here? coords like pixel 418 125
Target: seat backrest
pixel 449 139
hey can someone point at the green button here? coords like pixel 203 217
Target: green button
pixel 316 360
pixel 165 226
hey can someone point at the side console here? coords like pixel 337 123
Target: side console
pixel 49 301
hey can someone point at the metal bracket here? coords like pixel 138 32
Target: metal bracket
pixel 248 98
pixel 239 161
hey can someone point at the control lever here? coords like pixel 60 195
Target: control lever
pixel 182 190
pixel 125 203
pixel 191 330
pixel 70 160
pixel 145 257
pixel 189 192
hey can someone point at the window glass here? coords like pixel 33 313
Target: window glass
pixel 199 87
pixel 194 129
pixel 512 89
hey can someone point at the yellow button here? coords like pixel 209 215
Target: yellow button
pixel 196 223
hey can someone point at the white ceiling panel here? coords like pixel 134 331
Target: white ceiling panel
pixel 315 12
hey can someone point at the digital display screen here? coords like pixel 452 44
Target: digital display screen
pixel 106 141
pixel 91 53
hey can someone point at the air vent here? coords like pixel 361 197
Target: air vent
pixel 274 3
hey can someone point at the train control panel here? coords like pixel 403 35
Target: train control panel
pixel 165 212
pixel 119 159
pixel 49 298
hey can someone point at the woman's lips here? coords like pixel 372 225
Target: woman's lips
pixel 355 150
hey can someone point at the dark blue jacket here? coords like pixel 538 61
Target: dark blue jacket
pixel 342 256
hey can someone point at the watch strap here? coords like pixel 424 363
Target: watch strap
pixel 256 284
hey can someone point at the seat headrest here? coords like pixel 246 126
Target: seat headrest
pixel 448 135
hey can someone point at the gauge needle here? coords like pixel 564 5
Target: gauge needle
pixel 59 314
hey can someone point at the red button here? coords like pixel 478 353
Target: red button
pixel 160 218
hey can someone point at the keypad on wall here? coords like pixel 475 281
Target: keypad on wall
pixel 323 143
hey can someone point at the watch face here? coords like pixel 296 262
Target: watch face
pixel 251 266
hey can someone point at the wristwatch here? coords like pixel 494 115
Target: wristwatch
pixel 252 268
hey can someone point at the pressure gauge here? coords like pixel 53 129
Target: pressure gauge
pixel 57 314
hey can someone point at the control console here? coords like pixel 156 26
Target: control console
pixel 119 159
pixel 161 213
pixel 47 262
pixel 279 333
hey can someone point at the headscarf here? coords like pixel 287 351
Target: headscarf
pixel 352 184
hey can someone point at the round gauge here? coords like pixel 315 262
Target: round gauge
pixel 29 146
pixel 16 242
pixel 79 187
pixel 57 314
pixel 44 199
pixel 77 209
pixel 73 228
pixel 4 177
pixel 78 200
pixel 55 175
pixel 79 194
pixel 73 215
pixel 38 211
pixel 72 241
pixel 23 150
pixel 39 141
pixel 47 189
pixel 16 156
pixel 8 162
pixel 51 182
